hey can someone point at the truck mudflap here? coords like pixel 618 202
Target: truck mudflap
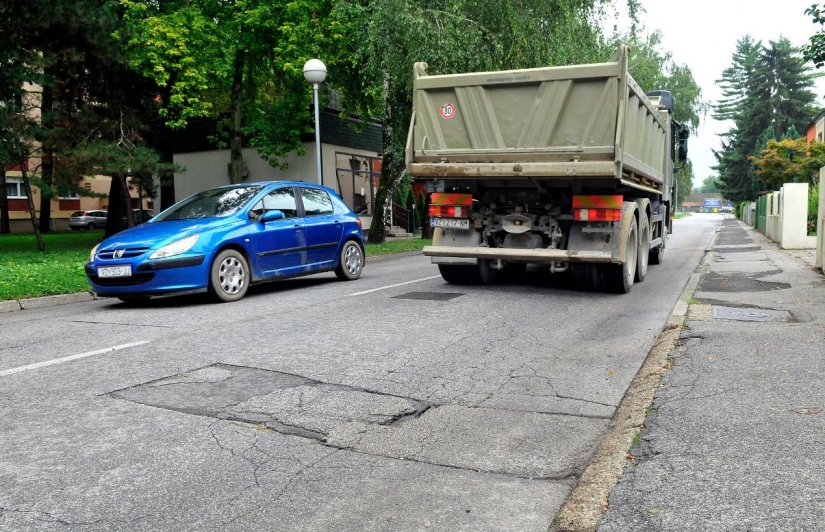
pixel 540 256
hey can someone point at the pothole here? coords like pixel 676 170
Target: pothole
pixel 739 282
pixel 429 296
pixel 751 314
pixel 289 404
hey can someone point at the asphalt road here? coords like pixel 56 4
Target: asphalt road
pixel 393 402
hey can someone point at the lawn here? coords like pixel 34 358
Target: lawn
pixel 26 272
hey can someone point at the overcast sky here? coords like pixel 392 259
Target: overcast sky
pixel 702 34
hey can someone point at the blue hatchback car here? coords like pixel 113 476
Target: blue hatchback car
pixel 224 239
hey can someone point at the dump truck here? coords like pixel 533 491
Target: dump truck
pixel 568 167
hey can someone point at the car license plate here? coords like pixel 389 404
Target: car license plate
pixel 450 223
pixel 114 271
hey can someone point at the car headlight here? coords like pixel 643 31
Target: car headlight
pixel 93 253
pixel 175 248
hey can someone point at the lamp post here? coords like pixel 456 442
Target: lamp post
pixel 315 72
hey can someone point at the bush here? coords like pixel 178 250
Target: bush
pixel 813 207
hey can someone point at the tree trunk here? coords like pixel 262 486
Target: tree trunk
pixel 5 224
pixel 30 198
pixel 118 204
pixel 383 196
pixel 236 165
pixel 47 164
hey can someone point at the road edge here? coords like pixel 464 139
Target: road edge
pixel 588 501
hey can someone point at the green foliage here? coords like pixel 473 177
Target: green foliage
pixel 684 182
pixel 789 161
pixel 813 207
pixel 709 185
pixel 767 94
pixel 814 51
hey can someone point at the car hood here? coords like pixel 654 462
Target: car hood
pixel 156 234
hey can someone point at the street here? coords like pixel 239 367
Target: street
pixel 394 402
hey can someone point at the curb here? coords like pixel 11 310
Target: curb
pixel 588 501
pixel 45 301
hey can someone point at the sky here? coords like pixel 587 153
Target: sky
pixel 702 34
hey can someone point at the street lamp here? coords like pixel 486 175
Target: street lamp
pixel 315 72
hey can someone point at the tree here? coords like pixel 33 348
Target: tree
pixel 790 161
pixel 709 185
pixel 766 95
pixel 684 182
pixel 388 36
pixel 814 51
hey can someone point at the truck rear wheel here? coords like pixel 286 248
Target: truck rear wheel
pixel 458 274
pixel 657 255
pixel 643 254
pixel 586 276
pixel 619 278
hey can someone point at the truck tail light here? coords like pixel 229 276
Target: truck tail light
pixel 450 205
pixel 448 211
pixel 597 215
pixel 598 208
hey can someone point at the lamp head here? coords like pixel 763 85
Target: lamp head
pixel 315 71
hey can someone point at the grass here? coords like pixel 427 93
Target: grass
pixel 397 246
pixel 25 272
pixel 680 215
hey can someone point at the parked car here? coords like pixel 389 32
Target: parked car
pixel 223 239
pixel 140 216
pixel 87 219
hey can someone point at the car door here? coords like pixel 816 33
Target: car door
pixel 322 227
pixel 279 245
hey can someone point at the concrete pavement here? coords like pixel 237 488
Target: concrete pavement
pixel 735 439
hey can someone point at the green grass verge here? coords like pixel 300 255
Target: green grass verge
pixel 59 270
pixel 26 272
pixel 397 246
pixel 683 215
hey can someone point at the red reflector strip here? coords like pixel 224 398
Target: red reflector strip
pixel 597 215
pixel 444 211
pixel 450 198
pixel 597 202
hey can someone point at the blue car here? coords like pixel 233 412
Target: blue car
pixel 226 238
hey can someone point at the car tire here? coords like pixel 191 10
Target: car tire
pixel 229 276
pixel 350 262
pixel 91 226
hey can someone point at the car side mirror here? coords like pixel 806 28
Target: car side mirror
pixel 270 216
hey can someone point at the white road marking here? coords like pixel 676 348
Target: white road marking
pixel 69 358
pixel 394 285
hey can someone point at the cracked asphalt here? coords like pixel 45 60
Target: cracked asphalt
pixel 319 405
pixel 735 439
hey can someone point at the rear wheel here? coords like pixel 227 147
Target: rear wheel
pixel 643 254
pixel 487 274
pixel 586 275
pixel 229 276
pixel 658 255
pixel 619 277
pixel 458 273
pixel 351 262
pixel 91 226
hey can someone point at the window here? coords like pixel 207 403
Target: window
pixel 316 202
pixel 282 199
pixel 15 189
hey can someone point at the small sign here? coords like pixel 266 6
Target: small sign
pixel 447 111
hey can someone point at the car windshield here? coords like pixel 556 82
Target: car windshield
pixel 214 203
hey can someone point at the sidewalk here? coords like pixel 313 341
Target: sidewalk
pixel 736 437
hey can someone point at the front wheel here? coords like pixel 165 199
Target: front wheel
pixel 351 262
pixel 229 276
pixel 92 226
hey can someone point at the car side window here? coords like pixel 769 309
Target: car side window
pixel 281 199
pixel 316 202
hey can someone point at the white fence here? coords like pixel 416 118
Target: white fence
pixel 787 217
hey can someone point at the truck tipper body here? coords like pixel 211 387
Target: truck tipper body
pixel 569 167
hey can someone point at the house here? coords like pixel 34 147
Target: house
pixel 350 160
pixel 816 129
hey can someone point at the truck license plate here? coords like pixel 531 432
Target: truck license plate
pixel 114 271
pixel 450 223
